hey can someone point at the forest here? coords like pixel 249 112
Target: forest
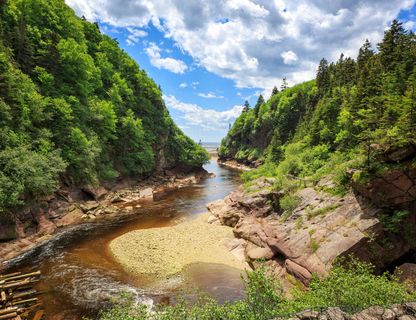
pixel 352 113
pixel 75 109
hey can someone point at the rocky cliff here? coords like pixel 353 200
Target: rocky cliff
pixel 322 227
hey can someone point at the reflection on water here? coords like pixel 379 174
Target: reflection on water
pixel 80 277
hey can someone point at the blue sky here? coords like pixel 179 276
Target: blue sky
pixel 209 57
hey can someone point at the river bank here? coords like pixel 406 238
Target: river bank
pixel 233 164
pixel 36 224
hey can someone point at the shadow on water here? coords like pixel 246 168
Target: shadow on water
pixel 79 276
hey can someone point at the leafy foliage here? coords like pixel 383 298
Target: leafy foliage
pixel 351 287
pixel 75 106
pixel 337 118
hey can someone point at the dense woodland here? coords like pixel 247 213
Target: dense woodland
pixel 74 107
pixel 350 114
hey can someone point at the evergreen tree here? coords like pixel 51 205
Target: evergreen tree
pixel 246 106
pixel 284 84
pixel 323 77
pixel 275 91
pixel 391 45
pixel 259 102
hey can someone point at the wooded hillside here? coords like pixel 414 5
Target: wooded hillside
pixel 74 107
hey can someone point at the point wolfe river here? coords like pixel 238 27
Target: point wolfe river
pixel 79 275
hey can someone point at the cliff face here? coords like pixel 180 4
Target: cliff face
pixel 321 228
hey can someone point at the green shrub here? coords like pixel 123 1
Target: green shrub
pixel 351 285
pixel 288 203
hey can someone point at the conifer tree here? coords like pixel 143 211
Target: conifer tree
pixel 246 106
pixel 259 102
pixel 323 77
pixel 284 85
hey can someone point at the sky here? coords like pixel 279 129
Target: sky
pixel 210 56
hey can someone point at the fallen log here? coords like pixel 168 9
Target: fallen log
pixel 8 310
pixel 9 316
pixel 21 276
pixel 10 275
pixel 22 302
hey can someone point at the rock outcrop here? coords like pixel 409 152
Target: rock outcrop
pixel 322 228
pixel 394 188
pixel 405 311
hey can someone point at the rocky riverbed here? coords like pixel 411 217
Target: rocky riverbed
pixel 163 252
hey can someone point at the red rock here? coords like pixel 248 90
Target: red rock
pixel 298 271
pixel 412 191
pixel 403 182
pixel 96 193
pixel 255 253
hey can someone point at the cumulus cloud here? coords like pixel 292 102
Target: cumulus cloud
pixel 289 57
pixel 210 95
pixel 135 35
pixel 206 118
pixel 254 42
pixel 183 85
pixel 171 64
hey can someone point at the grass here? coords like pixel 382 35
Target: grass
pixel 322 211
pixel 288 204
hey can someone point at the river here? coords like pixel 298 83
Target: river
pixel 79 276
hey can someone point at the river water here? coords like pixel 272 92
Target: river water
pixel 79 276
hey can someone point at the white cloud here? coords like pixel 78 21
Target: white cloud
pixel 173 65
pixel 183 85
pixel 210 95
pixel 195 115
pixel 135 35
pixel 289 57
pixel 252 41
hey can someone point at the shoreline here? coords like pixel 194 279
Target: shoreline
pixel 166 251
pixel 62 210
pixel 233 164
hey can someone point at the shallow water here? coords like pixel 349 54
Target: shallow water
pixel 79 276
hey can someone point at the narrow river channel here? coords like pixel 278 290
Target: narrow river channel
pixel 79 276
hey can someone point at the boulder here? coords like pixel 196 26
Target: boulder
pixel 388 315
pixel 146 193
pixel 308 315
pixel 407 274
pixel 333 314
pixel 298 271
pixel 89 205
pixel 213 219
pixel 96 193
pixel 226 214
pixel 401 154
pixel 372 313
pixel 254 252
pixel 72 217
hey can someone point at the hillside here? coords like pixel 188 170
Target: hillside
pixel 356 114
pixel 75 109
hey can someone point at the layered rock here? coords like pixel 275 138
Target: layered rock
pixel 393 188
pixel 321 228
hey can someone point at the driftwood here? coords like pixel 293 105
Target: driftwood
pixel 18 299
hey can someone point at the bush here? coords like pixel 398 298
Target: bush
pixel 288 203
pixel 351 285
